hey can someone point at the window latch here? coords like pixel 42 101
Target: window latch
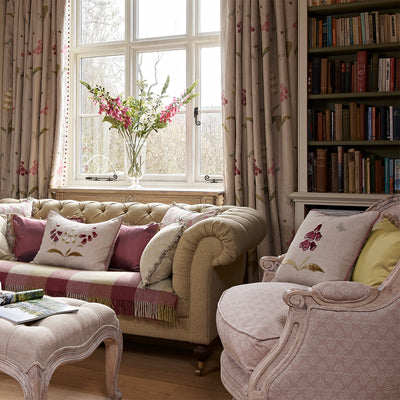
pixel 102 178
pixel 212 180
pixel 196 114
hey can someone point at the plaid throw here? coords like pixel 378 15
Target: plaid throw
pixel 120 290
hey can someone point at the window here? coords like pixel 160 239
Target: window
pixel 117 42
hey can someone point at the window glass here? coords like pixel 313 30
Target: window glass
pixel 209 16
pixel 210 77
pixel 99 26
pixel 160 18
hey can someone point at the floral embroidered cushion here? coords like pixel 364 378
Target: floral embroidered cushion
pixel 72 244
pixel 157 257
pixel 325 248
pixel 23 207
pixel 5 251
pixel 379 255
pixel 176 213
pixel 131 242
pixel 28 234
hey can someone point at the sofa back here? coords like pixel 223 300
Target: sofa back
pixel 93 211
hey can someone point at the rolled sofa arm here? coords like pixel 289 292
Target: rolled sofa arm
pixel 341 294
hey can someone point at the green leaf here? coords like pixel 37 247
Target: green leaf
pixel 290 262
pixel 74 254
pixel 55 251
pixel 313 267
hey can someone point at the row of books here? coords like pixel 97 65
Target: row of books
pixel 315 3
pixel 354 122
pixel 365 74
pixel 366 28
pixel 351 172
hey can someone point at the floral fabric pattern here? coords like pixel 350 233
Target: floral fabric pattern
pixel 259 100
pixel 31 59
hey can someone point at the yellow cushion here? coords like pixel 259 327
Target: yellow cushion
pixel 379 255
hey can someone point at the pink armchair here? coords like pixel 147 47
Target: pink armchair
pixel 334 340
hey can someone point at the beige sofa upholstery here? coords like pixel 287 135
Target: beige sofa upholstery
pixel 210 257
pixel 334 340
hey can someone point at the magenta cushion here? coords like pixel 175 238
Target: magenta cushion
pixel 130 244
pixel 28 236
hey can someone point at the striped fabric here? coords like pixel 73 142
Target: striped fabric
pixel 120 290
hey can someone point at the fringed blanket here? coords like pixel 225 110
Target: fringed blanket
pixel 120 290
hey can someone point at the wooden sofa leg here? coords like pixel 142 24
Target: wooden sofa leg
pixel 201 354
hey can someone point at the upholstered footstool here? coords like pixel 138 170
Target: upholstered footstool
pixel 31 352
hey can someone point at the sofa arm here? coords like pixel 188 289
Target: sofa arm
pixel 340 294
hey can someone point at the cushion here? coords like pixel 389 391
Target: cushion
pixel 131 242
pixel 325 248
pixel 28 235
pixel 250 319
pixel 5 251
pixel 71 244
pixel 157 257
pixel 176 213
pixel 379 255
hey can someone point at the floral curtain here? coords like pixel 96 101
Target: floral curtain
pixel 259 97
pixel 31 56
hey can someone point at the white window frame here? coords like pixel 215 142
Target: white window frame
pixel 192 42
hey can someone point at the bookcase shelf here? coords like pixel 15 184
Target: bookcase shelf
pixel 380 101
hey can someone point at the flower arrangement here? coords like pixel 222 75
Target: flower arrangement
pixel 136 117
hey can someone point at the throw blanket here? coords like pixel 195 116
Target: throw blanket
pixel 120 290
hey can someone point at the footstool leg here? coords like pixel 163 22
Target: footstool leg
pixel 38 387
pixel 113 360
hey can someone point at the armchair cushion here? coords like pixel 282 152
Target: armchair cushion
pixel 379 255
pixel 250 319
pixel 325 248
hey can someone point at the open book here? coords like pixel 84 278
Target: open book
pixel 32 310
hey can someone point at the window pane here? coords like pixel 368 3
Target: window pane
pixel 165 149
pixel 108 72
pixel 100 26
pixel 211 144
pixel 159 18
pixel 154 67
pixel 210 78
pixel 209 16
pixel 101 149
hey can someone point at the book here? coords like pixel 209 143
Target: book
pixel 316 75
pixel 322 170
pixel 351 171
pixel 340 169
pixel 361 71
pixel 324 76
pixel 32 310
pixel 396 123
pixel 334 173
pixel 338 135
pixel 396 175
pixel 15 297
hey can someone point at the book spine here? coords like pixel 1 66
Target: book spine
pixel 324 76
pixel 316 75
pixel 322 169
pixel 396 123
pixel 361 71
pixel 340 169
pixel 397 175
pixel 351 171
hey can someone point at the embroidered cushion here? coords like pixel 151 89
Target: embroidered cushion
pixel 131 242
pixel 325 248
pixel 5 251
pixel 157 257
pixel 176 213
pixel 28 235
pixel 71 244
pixel 379 255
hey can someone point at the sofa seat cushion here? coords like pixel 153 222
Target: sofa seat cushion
pixel 121 290
pixel 250 319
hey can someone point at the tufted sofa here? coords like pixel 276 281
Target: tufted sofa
pixel 210 257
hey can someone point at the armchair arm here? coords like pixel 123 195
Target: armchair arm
pixel 341 294
pixel 270 264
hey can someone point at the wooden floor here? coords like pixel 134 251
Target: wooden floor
pixel 149 371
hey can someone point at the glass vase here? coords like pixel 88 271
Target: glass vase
pixel 135 170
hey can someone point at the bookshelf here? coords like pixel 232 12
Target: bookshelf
pixel 324 121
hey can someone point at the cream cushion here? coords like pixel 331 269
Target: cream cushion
pixel 176 214
pixel 71 244
pixel 158 255
pixel 325 248
pixel 5 252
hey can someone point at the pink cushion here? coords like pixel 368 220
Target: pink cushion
pixel 28 236
pixel 130 244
